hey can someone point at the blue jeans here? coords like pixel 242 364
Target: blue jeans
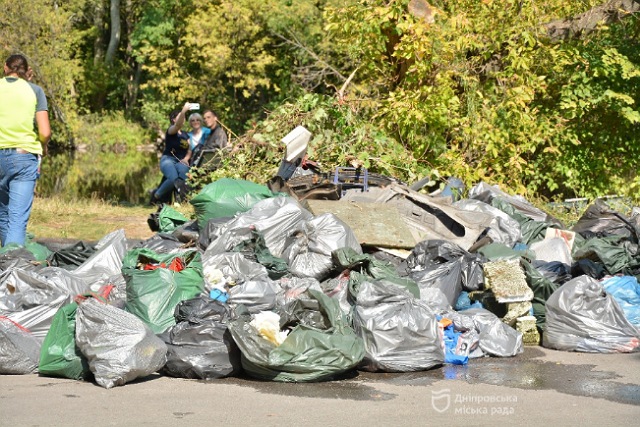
pixel 18 174
pixel 172 169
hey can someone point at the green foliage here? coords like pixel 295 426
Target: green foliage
pixel 481 93
pixel 340 138
pixel 110 132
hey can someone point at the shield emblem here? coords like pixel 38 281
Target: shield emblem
pixel 440 400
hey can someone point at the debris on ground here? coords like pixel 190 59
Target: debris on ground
pixel 320 274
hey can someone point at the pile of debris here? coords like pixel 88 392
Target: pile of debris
pixel 288 288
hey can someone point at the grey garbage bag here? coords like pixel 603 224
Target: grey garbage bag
pixel 495 337
pixel 400 332
pixel 248 282
pixel 581 316
pixel 19 349
pixel 503 228
pixel 199 344
pixel 292 288
pixel 31 299
pixel 275 218
pixel 308 248
pixel 118 345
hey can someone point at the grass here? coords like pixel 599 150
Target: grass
pixel 89 219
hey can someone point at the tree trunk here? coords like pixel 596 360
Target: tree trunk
pixel 98 43
pixel 114 40
pixel 585 23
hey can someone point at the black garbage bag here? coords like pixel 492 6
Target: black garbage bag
pixel 599 220
pixel 446 266
pixel 308 353
pixel 589 268
pixel 199 344
pixel 581 316
pixel 71 256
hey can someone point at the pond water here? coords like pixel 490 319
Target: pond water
pixel 116 177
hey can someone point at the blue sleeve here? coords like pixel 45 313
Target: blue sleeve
pixel 41 99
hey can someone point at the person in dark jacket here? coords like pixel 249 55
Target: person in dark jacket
pixel 174 162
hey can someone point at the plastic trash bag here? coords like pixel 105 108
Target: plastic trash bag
pixel 199 344
pixel 60 356
pixel 400 332
pixel 156 283
pixel 363 267
pixel 256 250
pixel 503 228
pixel 495 337
pixel 308 248
pixel 19 349
pixel 626 291
pixel 307 354
pixel 599 220
pixel 446 266
pixel 118 345
pixel 247 282
pixel 71 256
pixel 275 218
pixel 581 316
pixel 610 252
pixel 227 197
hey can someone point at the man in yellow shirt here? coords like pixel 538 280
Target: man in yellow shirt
pixel 21 147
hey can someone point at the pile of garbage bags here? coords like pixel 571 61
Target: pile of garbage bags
pixel 258 285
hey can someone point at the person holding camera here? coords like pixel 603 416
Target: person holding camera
pixel 174 162
pixel 21 146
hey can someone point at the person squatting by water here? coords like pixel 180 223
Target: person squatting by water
pixel 24 134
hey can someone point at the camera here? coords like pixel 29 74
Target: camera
pixel 194 106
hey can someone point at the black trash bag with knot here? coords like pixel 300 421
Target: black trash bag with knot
pixel 199 345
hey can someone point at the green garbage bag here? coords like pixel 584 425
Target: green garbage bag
pixel 365 267
pixel 40 252
pixel 169 219
pixel 59 354
pixel 156 283
pixel 255 249
pixel 227 197
pixel 310 351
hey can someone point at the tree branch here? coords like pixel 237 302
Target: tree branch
pixel 585 23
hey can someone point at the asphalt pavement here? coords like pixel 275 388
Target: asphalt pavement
pixel 540 387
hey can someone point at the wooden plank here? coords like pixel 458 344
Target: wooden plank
pixel 374 224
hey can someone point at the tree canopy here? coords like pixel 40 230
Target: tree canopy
pixel 541 97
